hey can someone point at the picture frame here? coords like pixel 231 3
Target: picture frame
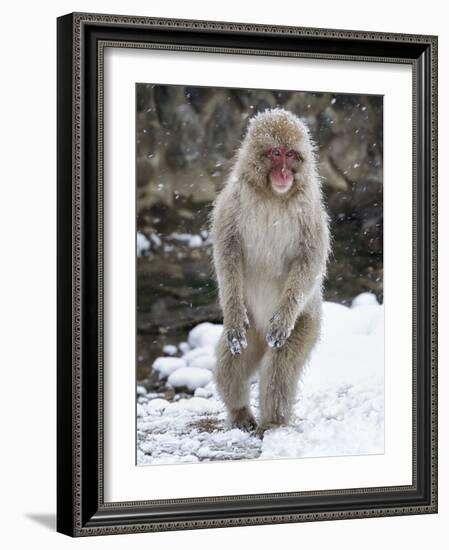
pixel 81 507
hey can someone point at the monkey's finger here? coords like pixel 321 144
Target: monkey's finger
pixel 234 346
pixel 237 341
pixel 275 343
pixel 276 340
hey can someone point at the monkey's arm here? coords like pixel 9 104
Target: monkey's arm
pixel 228 263
pixel 306 273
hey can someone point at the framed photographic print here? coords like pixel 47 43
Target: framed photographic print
pixel 247 291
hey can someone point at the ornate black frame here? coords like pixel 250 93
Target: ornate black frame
pixel 81 509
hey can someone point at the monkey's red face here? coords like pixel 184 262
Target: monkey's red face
pixel 283 164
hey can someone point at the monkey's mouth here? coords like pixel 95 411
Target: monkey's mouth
pixel 282 183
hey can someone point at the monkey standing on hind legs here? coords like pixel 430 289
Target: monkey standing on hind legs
pixel 271 244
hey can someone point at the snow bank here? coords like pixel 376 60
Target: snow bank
pixel 365 299
pixel 350 349
pixel 347 421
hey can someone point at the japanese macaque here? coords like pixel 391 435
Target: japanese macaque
pixel 271 244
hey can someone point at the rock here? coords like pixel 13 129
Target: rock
pixel 149 135
pixel 221 137
pixel 198 97
pixel 187 137
pixel 331 176
pixel 166 100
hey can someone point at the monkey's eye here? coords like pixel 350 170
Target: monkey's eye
pixel 275 152
pixel 292 154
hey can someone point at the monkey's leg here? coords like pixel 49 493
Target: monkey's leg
pixel 280 372
pixel 232 376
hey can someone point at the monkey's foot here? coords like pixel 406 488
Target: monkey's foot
pixel 243 420
pixel 262 428
pixel 278 332
pixel 237 340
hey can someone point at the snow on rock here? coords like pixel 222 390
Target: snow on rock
pixel 205 334
pixel 142 244
pixel 169 349
pixel 183 347
pixel 168 365
pixel 195 241
pixel 201 358
pixel 377 324
pixel 156 240
pixel 203 392
pixel 365 299
pixel 339 408
pixel 193 354
pixel 189 377
pixel 204 362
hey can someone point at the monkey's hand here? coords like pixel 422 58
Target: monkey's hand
pixel 279 329
pixel 236 334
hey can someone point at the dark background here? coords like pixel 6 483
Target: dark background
pixel 185 141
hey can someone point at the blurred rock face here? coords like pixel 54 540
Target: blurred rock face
pixel 186 137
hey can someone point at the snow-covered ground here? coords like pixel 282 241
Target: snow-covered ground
pixel 339 408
